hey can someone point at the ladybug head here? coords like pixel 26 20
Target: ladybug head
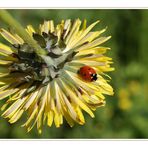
pixel 94 77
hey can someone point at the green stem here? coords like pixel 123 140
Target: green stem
pixel 7 18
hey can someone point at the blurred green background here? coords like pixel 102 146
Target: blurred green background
pixel 126 113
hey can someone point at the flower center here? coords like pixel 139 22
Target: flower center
pixel 44 68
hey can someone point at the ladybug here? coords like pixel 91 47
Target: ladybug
pixel 87 73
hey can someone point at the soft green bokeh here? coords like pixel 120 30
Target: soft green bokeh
pixel 126 113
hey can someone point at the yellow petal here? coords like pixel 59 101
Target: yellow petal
pixel 21 41
pixel 89 62
pixel 50 118
pixel 80 118
pixel 51 26
pixel 78 101
pixel 16 116
pixel 7 93
pixel 46 27
pixel 9 37
pixel 68 118
pixel 95 50
pixel 30 30
pixel 69 107
pixel 73 31
pixel 39 124
pixel 83 34
pixel 56 118
pixel 94 43
pixel 31 117
pixel 5 62
pixel 67 26
pixel 5 50
pixel 31 99
pixel 13 108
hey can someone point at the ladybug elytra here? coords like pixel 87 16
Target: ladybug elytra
pixel 87 73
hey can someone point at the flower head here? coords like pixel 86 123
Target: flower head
pixel 48 86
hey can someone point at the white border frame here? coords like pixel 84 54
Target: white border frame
pixel 74 143
pixel 116 4
pixel 74 4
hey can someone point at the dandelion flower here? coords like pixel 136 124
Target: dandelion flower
pixel 49 89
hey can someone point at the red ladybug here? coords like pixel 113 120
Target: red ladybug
pixel 87 73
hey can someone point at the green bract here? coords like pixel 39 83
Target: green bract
pixel 45 69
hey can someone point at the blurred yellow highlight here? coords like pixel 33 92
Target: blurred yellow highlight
pixel 124 102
